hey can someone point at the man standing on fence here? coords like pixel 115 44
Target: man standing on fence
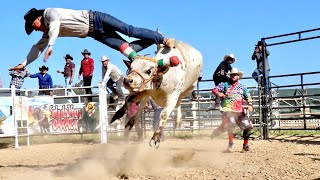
pixel 45 81
pixel 220 74
pixel 233 93
pixel 86 70
pixel 17 79
pixel 115 76
pixel 257 55
pixel 68 73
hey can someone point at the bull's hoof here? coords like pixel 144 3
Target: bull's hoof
pixel 154 143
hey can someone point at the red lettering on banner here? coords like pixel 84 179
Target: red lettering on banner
pixel 66 118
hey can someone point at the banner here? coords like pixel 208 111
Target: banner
pixel 6 119
pixel 46 117
pixel 38 113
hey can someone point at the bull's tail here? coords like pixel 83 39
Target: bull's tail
pixel 120 113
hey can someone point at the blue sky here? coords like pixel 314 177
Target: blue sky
pixel 215 28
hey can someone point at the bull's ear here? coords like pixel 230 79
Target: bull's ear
pixel 127 63
pixel 162 70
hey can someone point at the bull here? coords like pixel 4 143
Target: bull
pixel 166 85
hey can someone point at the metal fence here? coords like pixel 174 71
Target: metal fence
pixel 293 106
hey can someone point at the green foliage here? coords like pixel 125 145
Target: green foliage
pixel 294 132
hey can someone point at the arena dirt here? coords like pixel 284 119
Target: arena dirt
pixel 279 158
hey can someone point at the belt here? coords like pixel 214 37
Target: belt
pixel 91 21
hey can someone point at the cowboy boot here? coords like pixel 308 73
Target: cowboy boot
pixel 169 42
pixel 17 67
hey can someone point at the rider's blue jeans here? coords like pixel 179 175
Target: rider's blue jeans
pixel 107 26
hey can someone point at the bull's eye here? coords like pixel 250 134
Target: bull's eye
pixel 128 71
pixel 148 72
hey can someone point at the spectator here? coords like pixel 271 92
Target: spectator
pixel 86 70
pixel 45 81
pixel 257 55
pixel 233 93
pixel 60 22
pixel 17 79
pixel 68 73
pixel 220 74
pixel 116 77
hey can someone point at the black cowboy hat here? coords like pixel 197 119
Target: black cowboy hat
pixel 68 57
pixel 29 17
pixel 85 51
pixel 260 43
pixel 43 68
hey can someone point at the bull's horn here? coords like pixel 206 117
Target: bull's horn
pixel 127 63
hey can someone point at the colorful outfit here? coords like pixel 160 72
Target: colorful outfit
pixel 86 69
pixel 232 111
pixel 83 23
pixel 45 82
pixel 235 94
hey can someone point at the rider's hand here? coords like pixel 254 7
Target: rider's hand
pixel 47 54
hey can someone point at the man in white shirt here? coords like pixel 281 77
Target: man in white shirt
pixel 59 22
pixel 116 77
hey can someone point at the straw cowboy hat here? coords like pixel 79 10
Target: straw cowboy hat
pixel 236 71
pixel 68 57
pixel 85 51
pixel 104 58
pixel 230 56
pixel 43 68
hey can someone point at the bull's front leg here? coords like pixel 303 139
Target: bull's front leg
pixel 164 115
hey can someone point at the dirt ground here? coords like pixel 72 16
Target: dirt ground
pixel 279 158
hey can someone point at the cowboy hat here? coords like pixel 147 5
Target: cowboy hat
pixel 68 57
pixel 29 17
pixel 104 58
pixel 260 43
pixel 236 71
pixel 230 56
pixel 85 51
pixel 43 68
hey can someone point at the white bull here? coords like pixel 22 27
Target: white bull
pixel 166 85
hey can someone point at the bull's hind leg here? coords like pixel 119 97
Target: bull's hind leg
pixel 178 106
pixel 164 115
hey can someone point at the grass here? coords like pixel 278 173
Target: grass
pixel 183 135
pixel 294 132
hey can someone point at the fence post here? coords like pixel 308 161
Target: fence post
pixel 13 95
pixel 265 95
pixel 103 122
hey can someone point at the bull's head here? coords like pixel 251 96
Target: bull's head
pixel 141 73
